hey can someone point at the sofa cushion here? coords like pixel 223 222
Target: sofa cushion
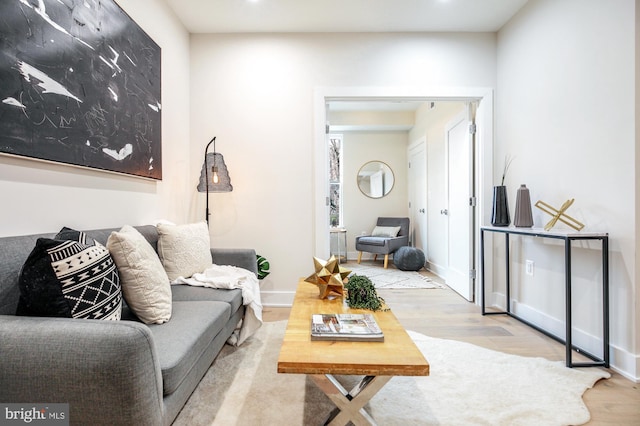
pixel 67 278
pixel 184 292
pixel 181 341
pixel 145 284
pixel 184 249
pixel 372 241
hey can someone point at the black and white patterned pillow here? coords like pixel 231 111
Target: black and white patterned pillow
pixel 74 278
pixel 73 235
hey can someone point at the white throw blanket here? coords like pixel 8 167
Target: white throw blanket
pixel 230 277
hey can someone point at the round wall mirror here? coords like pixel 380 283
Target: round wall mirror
pixel 375 179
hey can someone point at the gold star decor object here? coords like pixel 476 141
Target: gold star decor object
pixel 329 276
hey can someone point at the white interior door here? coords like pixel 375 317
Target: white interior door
pixel 459 151
pixel 418 193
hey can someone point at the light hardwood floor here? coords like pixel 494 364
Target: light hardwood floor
pixel 442 313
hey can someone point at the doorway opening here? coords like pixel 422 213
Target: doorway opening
pixel 482 163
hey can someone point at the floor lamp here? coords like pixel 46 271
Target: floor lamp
pixel 214 176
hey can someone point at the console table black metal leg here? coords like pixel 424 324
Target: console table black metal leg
pixel 508 269
pixel 482 277
pixel 482 301
pixel 605 301
pixel 567 273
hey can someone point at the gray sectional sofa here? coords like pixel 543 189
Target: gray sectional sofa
pixel 113 372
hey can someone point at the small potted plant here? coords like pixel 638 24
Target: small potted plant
pixel 263 267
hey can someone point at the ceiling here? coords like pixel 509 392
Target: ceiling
pixel 233 16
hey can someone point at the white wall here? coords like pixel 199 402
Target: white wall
pixel 43 197
pixel 256 93
pixel 379 120
pixel 565 113
pixel 361 212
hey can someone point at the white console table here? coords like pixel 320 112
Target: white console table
pixel 567 237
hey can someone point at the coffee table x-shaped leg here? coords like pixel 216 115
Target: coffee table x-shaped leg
pixel 349 404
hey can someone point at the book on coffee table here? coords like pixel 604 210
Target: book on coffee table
pixel 346 327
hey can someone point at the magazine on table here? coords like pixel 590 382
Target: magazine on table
pixel 349 327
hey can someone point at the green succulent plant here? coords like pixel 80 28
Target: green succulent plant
pixel 361 294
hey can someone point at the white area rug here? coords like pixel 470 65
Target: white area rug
pixel 392 277
pixel 468 385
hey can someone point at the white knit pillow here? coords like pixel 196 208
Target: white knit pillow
pixel 385 231
pixel 184 250
pixel 145 284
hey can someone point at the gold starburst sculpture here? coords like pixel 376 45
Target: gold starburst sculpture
pixel 329 276
pixel 559 215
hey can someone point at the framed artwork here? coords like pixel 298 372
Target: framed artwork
pixel 79 84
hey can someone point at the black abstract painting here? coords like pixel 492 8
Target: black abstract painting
pixel 79 84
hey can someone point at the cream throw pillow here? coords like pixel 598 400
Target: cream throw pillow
pixel 144 282
pixel 184 250
pixel 385 231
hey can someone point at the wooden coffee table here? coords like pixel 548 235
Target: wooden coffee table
pixel 378 362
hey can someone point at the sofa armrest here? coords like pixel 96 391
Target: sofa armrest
pixel 107 371
pixel 242 258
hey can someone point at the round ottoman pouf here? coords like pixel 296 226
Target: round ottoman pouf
pixel 409 258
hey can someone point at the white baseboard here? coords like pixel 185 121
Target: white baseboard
pixel 625 363
pixel 437 269
pixel 353 255
pixel 580 338
pixel 622 361
pixel 277 299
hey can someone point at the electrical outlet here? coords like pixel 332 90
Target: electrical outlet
pixel 529 267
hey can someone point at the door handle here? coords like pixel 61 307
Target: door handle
pixel 444 212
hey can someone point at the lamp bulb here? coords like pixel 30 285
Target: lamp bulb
pixel 215 178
